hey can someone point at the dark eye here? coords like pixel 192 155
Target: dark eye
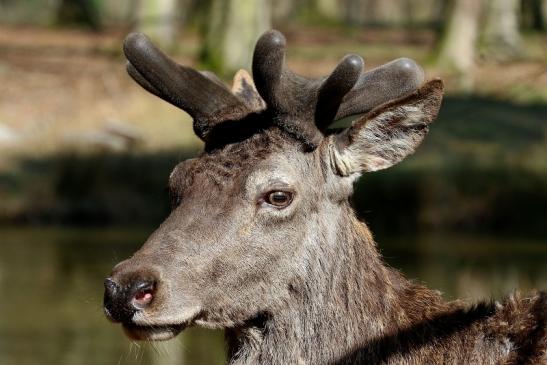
pixel 279 199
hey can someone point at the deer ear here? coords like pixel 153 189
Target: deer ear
pixel 389 133
pixel 244 87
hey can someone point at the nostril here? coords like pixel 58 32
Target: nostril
pixel 144 294
pixel 112 293
pixel 127 295
pixel 142 299
pixel 110 286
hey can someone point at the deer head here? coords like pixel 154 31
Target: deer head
pixel 256 211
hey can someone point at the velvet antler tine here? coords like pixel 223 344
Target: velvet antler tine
pixel 301 107
pixel 382 84
pixel 139 79
pixel 205 100
pixel 269 65
pixel 211 76
pixel 288 96
pixel 335 87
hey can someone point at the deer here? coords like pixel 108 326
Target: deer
pixel 262 241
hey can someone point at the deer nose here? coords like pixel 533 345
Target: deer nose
pixel 122 302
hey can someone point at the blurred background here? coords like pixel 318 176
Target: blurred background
pixel 85 153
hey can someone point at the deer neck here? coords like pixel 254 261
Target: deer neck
pixel 347 299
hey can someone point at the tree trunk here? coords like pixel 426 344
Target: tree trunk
pixel 353 12
pixel 158 20
pixel 501 38
pixel 329 9
pixel 79 12
pixel 388 12
pixel 533 14
pixel 422 12
pixel 457 51
pixel 283 11
pixel 233 28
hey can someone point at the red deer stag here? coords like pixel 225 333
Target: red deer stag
pixel 262 240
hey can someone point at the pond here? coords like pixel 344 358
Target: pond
pixel 51 283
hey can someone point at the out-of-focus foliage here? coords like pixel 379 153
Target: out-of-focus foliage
pixel 229 45
pixel 82 144
pixel 101 148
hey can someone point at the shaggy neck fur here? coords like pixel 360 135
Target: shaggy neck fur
pixel 352 299
pixel 348 307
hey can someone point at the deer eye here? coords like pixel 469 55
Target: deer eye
pixel 279 199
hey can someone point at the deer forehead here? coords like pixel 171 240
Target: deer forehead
pixel 278 171
pixel 265 159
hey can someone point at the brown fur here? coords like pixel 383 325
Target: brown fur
pixel 340 304
pixel 302 284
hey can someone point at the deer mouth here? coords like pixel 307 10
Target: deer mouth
pixel 142 329
pixel 151 332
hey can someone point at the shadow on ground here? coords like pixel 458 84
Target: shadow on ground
pixel 481 168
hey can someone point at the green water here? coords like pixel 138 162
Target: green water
pixel 51 288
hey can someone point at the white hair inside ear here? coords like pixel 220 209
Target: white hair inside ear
pixel 387 134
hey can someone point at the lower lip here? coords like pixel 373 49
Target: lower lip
pixel 152 333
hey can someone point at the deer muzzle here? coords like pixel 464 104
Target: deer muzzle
pixel 124 297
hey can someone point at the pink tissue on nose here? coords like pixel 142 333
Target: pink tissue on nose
pixel 143 297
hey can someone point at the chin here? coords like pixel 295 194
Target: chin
pixel 142 328
pixel 152 333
